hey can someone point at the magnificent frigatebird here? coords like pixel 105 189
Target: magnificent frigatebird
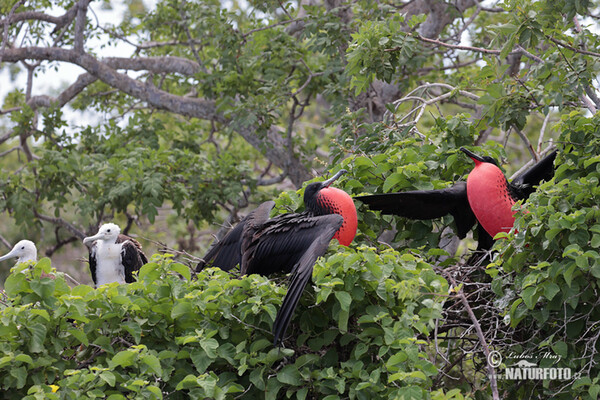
pixel 24 251
pixel 289 242
pixel 486 197
pixel 113 257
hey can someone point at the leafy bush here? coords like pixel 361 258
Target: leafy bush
pixel 360 333
pixel 548 272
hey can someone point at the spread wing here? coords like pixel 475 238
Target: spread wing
pixel 227 253
pixel 427 204
pixel 132 257
pixel 543 170
pixel 291 242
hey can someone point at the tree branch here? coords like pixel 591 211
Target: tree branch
pixel 158 65
pixel 486 350
pixel 61 222
pixel 67 95
pixel 272 147
pixel 6 22
pixel 80 22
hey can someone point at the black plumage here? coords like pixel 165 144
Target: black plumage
pixel 431 204
pixel 288 243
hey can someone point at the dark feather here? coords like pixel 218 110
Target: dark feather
pixel 543 170
pixel 227 253
pixel 278 244
pixel 132 256
pixel 286 243
pixel 320 234
pixel 93 262
pixel 427 204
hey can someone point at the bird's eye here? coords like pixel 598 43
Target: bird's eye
pixel 23 248
pixel 108 230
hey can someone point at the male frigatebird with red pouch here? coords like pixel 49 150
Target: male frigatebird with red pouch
pixel 287 243
pixel 487 197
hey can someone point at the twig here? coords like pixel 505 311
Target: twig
pixel 527 143
pixel 5 242
pixel 532 161
pixel 576 50
pixel 59 221
pixel 80 22
pixel 6 22
pixel 450 46
pixel 288 21
pixel 542 133
pixel 479 332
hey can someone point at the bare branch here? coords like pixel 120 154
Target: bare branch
pixel 80 22
pixel 264 28
pixel 159 65
pixel 450 46
pixel 60 22
pixel 9 151
pixel 574 49
pixel 61 222
pixel 486 350
pixel 527 143
pixel 67 95
pixel 542 133
pixel 5 242
pixel 6 22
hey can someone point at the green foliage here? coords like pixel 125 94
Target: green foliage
pixel 369 55
pixel 359 334
pixel 548 272
pixel 309 83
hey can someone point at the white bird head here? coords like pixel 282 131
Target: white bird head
pixel 24 251
pixel 107 232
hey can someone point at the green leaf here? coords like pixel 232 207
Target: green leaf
pixel 15 284
pixel 153 362
pixel 108 377
pixel 392 180
pixel 79 335
pixel 550 290
pixel 189 381
pixel 181 308
pixel 345 300
pixel 529 296
pixel 124 358
pixel 38 336
pixel 149 272
pixel 210 346
pixel 289 375
pixel 560 348
pixel 24 358
pixel 183 270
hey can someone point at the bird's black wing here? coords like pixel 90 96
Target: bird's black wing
pixel 92 260
pixel 427 204
pixel 132 257
pixel 543 170
pixel 227 253
pixel 278 244
pixel 291 242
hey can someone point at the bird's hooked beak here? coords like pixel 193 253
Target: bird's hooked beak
pixel 88 240
pixel 334 178
pixel 472 155
pixel 10 254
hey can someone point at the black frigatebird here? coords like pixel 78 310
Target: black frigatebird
pixel 486 197
pixel 113 257
pixel 288 243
